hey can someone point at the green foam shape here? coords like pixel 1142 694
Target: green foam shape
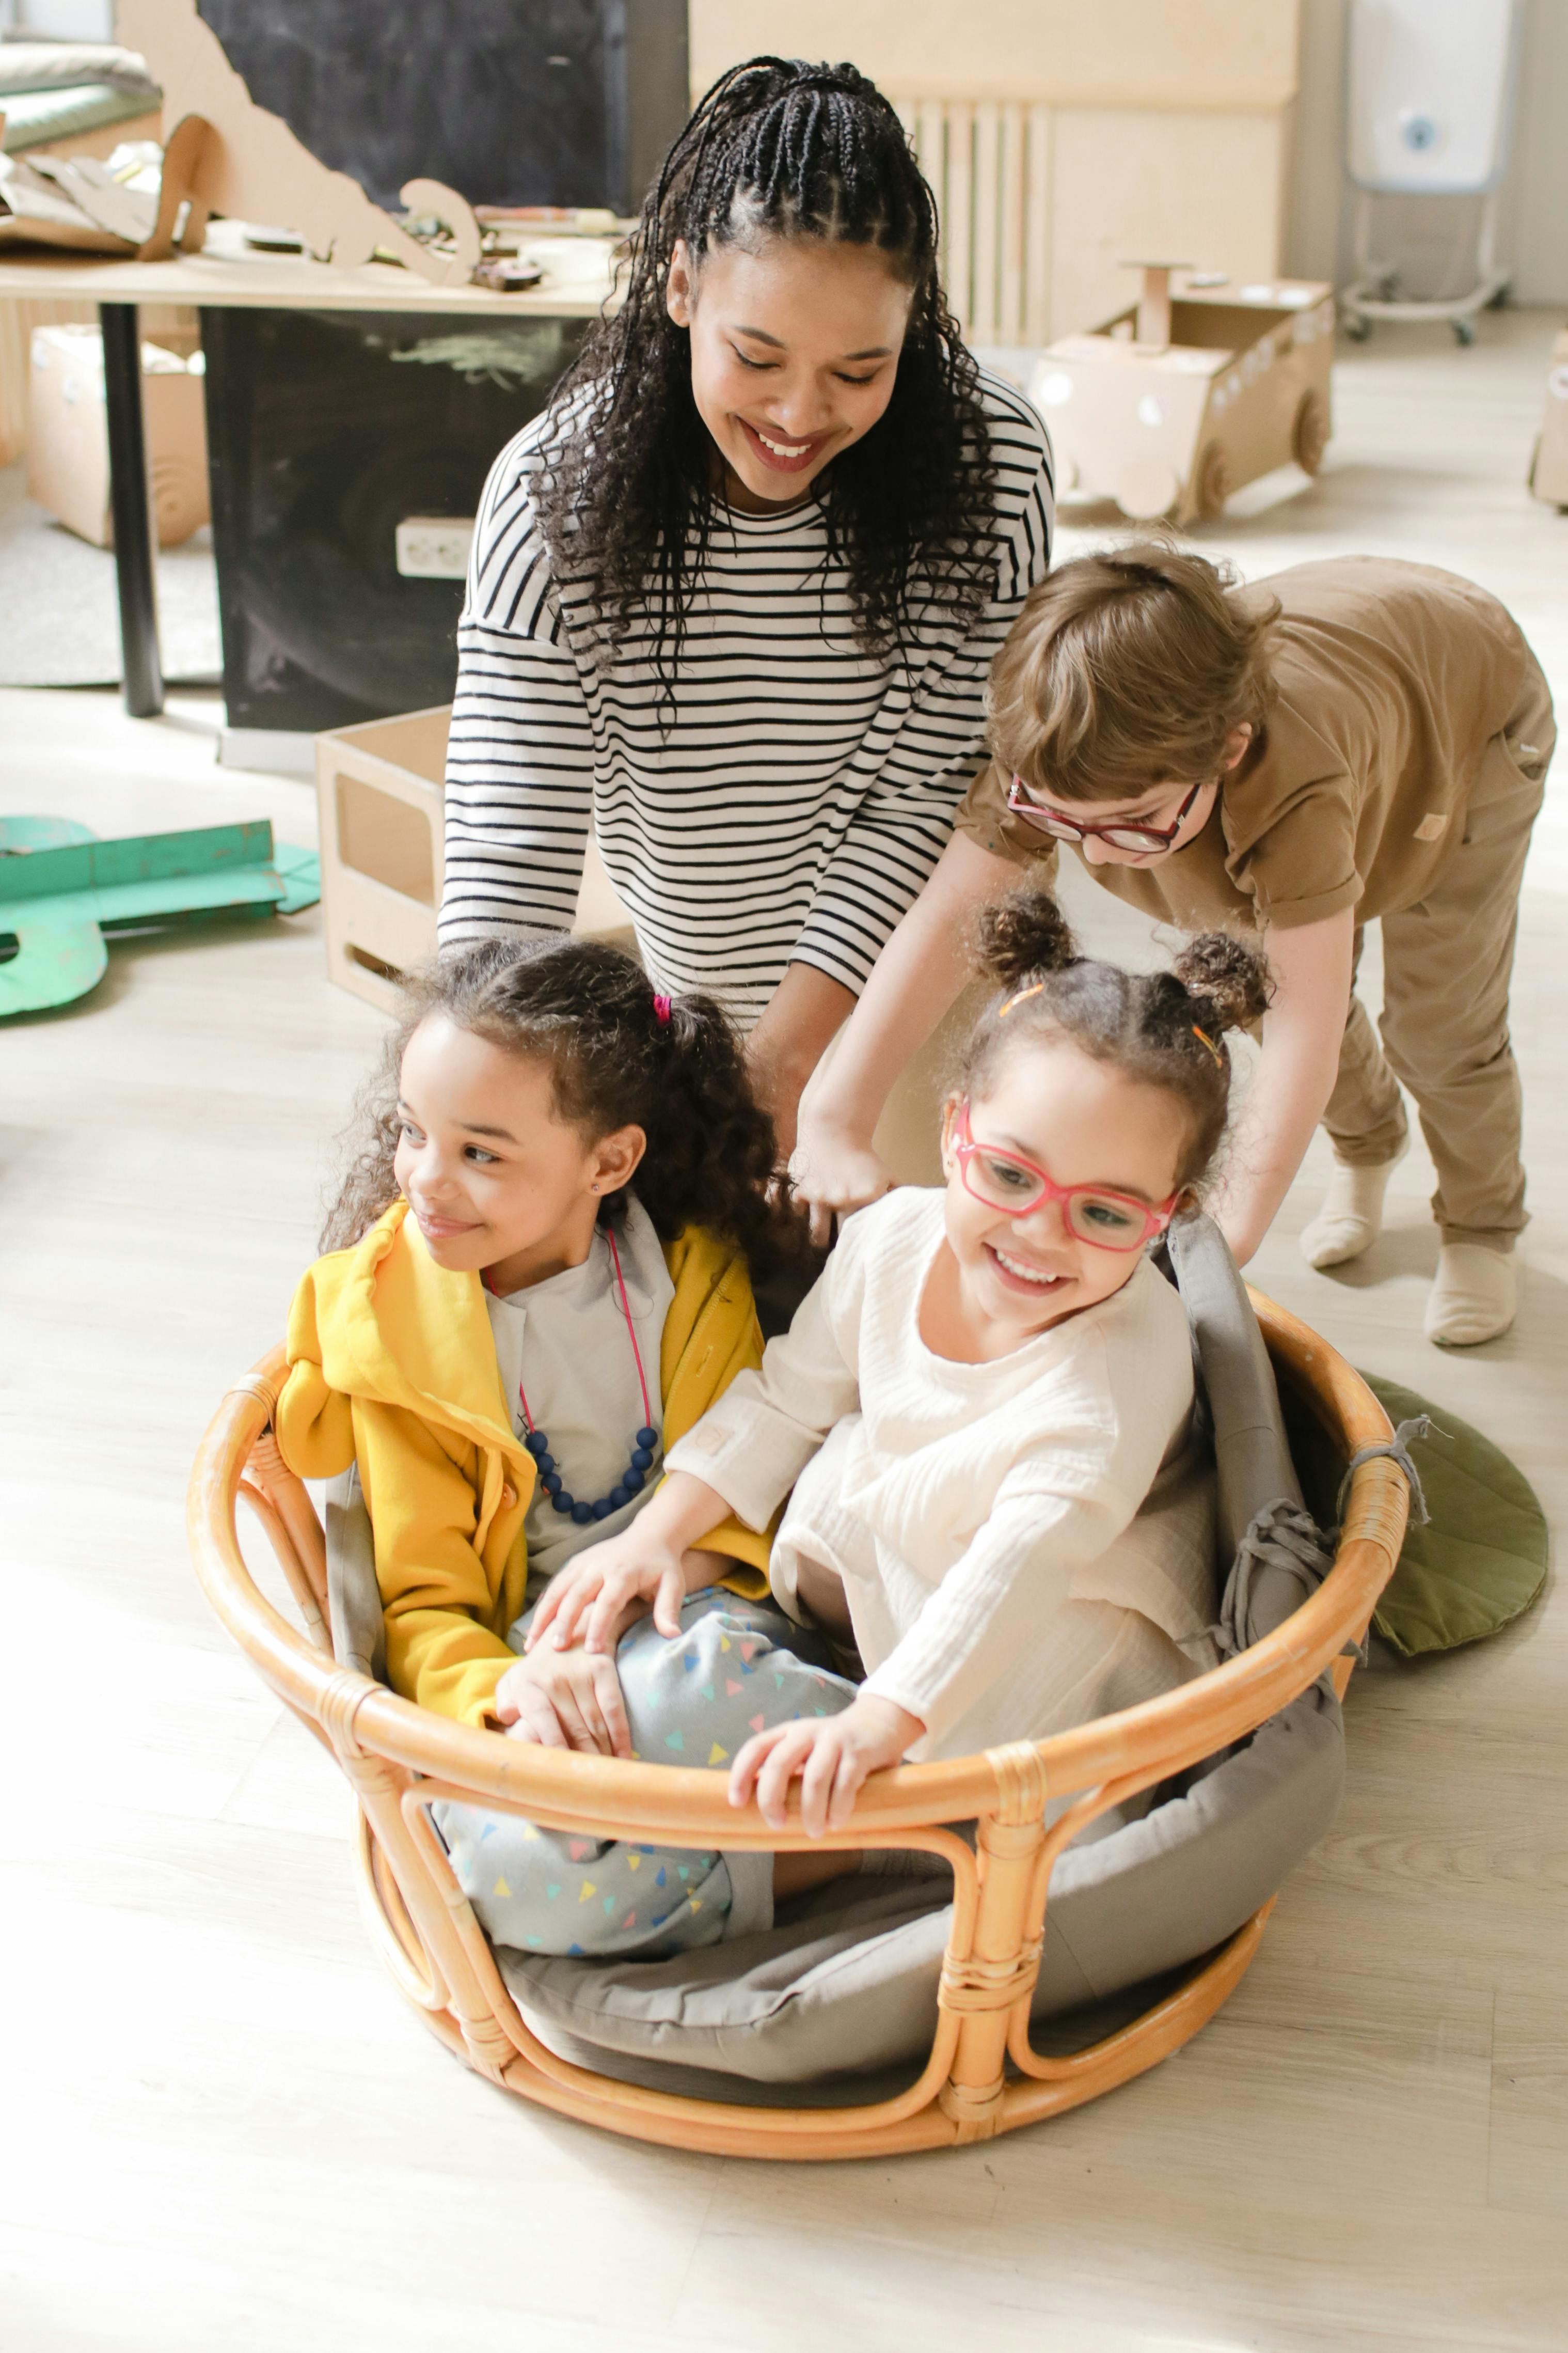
pixel 48 964
pixel 62 891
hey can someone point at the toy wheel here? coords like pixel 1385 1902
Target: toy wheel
pixel 1310 433
pixel 1147 489
pixel 1357 328
pixel 1211 482
pixel 1503 297
pixel 1464 332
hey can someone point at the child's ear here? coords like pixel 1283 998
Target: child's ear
pixel 615 1158
pixel 950 1112
pixel 1236 744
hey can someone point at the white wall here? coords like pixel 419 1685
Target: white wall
pixel 1535 206
pixel 64 20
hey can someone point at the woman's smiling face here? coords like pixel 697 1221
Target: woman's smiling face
pixel 794 353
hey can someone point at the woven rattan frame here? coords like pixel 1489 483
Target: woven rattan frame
pixel 400 1757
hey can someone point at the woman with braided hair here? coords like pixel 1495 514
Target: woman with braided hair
pixel 735 595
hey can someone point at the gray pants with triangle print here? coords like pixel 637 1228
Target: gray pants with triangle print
pixel 736 1667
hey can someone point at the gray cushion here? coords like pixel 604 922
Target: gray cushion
pixel 853 1989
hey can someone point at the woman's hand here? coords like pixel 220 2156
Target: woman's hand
pixel 832 1755
pixel 834 1171
pixel 565 1700
pixel 806 1012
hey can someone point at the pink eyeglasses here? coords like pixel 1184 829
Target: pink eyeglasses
pixel 1063 828
pixel 1003 1181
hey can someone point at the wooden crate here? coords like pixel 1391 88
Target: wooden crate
pixel 381 789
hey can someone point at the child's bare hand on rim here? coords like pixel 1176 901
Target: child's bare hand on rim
pixel 832 1755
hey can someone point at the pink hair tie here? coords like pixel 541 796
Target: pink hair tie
pixel 661 1006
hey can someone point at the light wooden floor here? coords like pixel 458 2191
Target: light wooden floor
pixel 221 2127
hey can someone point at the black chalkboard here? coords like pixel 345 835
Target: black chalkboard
pixel 325 429
pixel 509 102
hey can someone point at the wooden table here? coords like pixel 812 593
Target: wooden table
pixel 227 275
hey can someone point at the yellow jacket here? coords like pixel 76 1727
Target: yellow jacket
pixel 392 1364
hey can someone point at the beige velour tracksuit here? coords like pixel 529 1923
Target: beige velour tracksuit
pixel 1399 773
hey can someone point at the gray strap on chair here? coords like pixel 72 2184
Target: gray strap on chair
pixel 1283 1536
pixel 1397 1449
pixel 1409 1433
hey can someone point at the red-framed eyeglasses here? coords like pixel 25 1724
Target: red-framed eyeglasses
pixel 1005 1181
pixel 1063 828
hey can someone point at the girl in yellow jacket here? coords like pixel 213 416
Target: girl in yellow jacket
pixel 538 1279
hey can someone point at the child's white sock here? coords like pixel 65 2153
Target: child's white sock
pixel 1351 1219
pixel 1475 1297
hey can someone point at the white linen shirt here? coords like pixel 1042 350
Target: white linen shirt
pixel 971 1510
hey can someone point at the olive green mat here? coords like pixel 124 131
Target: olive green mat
pixel 1481 1558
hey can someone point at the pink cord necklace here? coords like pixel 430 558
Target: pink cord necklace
pixel 633 1478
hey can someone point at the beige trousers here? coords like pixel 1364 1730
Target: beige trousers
pixel 1446 966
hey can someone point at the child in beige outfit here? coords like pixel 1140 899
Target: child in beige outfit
pixel 1349 741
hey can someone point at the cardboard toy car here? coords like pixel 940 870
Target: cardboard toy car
pixel 1202 385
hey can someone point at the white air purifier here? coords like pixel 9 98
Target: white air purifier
pixel 1430 96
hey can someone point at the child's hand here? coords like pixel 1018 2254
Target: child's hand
pixel 571 1700
pixel 598 1594
pixel 835 1173
pixel 832 1755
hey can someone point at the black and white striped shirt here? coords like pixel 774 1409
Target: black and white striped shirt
pixel 792 803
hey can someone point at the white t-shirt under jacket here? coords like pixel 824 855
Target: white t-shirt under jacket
pixel 973 1511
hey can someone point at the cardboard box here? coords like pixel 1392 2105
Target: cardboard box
pixel 1549 469
pixel 68 438
pixel 381 788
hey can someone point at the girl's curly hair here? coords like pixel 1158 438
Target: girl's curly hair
pixel 1164 1029
pixel 591 1014
pixel 626 493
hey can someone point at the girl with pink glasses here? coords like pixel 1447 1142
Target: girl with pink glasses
pixel 977 1395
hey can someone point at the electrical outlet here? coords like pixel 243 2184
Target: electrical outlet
pixel 434 547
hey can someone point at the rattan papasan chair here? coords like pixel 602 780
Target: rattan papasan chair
pixel 1003 1968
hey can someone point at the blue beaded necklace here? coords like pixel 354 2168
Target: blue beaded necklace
pixel 634 1476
